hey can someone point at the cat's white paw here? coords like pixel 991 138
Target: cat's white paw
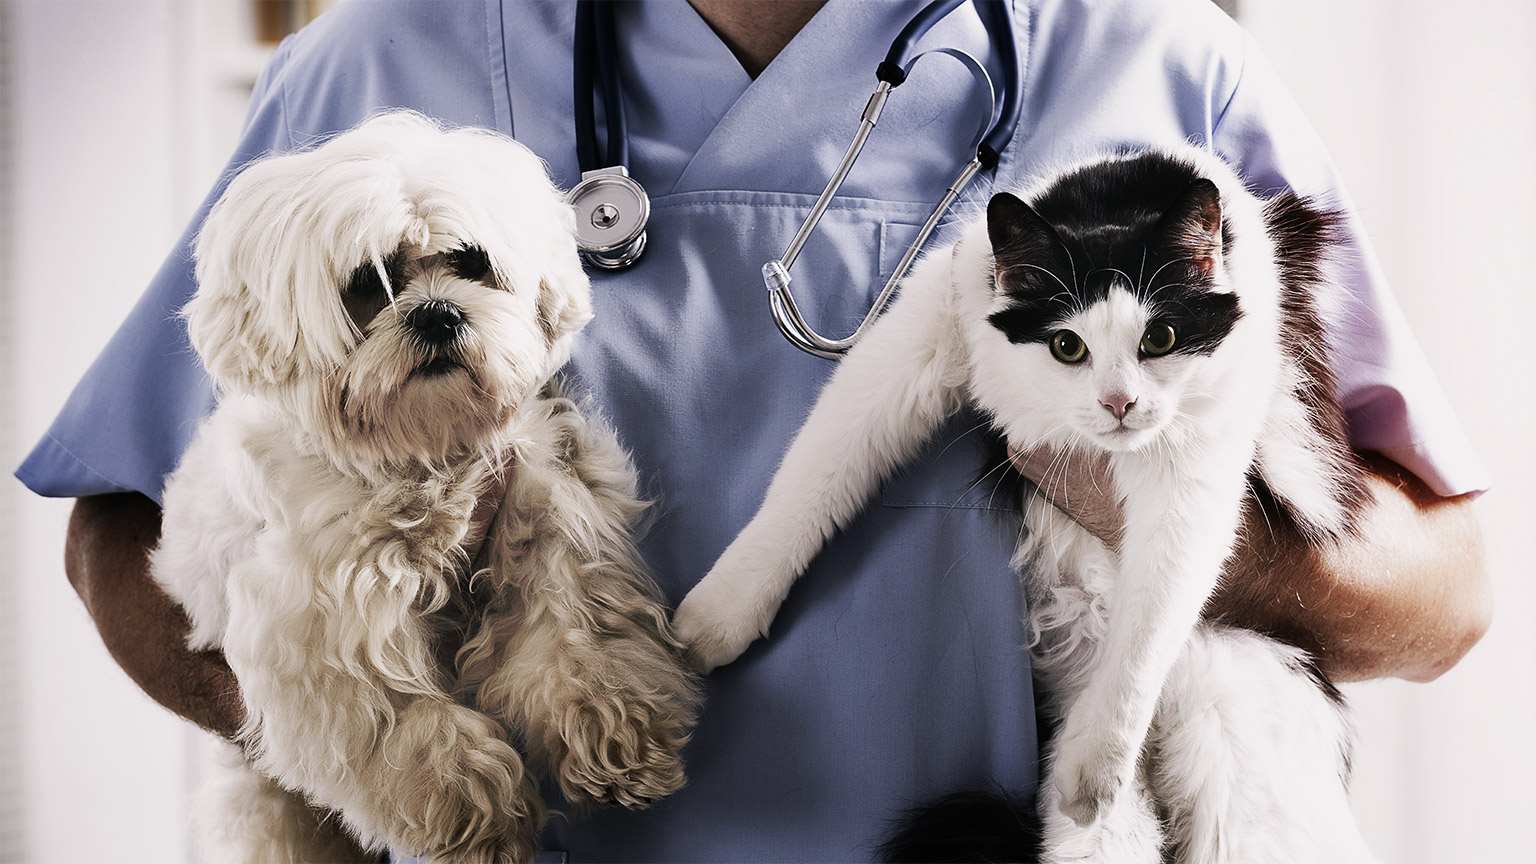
pixel 718 620
pixel 1091 768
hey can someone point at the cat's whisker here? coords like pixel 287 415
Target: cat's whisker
pixel 1072 265
pixel 1059 465
pixel 1064 287
pixel 1169 263
pixel 956 440
pixel 1072 447
pixel 1151 298
pixel 1251 501
pixel 1131 286
pixel 1002 478
pixel 1004 463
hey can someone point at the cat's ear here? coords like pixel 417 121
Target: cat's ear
pixel 1023 243
pixel 1192 227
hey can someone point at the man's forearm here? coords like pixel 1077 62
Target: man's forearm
pixel 106 559
pixel 1407 598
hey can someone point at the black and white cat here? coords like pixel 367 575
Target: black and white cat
pixel 1145 306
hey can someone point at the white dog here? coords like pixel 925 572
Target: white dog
pixel 382 315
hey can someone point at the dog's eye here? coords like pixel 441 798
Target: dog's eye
pixel 470 262
pixel 365 283
pixel 364 296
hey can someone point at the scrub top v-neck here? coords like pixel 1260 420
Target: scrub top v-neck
pixel 810 744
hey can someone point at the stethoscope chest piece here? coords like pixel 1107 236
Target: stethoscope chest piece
pixel 611 212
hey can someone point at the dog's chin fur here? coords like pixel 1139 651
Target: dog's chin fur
pixel 313 529
pixel 393 404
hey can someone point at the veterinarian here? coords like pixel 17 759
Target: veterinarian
pixel 895 672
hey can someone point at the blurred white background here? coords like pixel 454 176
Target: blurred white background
pixel 116 115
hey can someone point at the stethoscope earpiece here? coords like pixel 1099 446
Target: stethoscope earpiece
pixel 611 213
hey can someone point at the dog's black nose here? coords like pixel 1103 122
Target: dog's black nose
pixel 436 321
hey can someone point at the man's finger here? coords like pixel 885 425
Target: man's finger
pixel 1078 483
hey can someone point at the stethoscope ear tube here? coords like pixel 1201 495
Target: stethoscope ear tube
pixel 998 19
pixel 786 313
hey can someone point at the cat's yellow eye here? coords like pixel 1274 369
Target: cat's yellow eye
pixel 1068 347
pixel 1158 339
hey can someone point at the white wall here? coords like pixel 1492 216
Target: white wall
pixel 94 212
pixel 1428 107
pixel 112 134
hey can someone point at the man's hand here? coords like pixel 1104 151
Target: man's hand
pixel 1408 598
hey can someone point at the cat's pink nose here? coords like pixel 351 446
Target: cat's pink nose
pixel 1117 404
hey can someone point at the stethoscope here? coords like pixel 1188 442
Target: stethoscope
pixel 612 208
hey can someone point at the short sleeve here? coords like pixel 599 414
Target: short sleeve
pixel 126 424
pixel 1392 402
pixel 128 420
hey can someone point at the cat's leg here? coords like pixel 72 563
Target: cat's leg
pixel 1067 575
pixel 1178 531
pixel 344 701
pixel 585 666
pixel 1250 756
pixel 1128 833
pixel 885 399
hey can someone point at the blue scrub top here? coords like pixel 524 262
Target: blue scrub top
pixel 895 672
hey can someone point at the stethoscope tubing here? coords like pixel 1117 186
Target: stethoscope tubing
pixel 595 58
pixel 611 208
pixel 867 121
pixel 596 54
pixel 989 143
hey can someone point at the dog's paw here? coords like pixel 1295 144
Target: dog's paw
pixel 718 620
pixel 624 750
pixel 456 792
pixel 606 712
pixel 1090 768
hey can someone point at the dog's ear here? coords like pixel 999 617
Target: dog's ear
pixel 241 326
pixel 565 298
pixel 277 250
pixel 538 233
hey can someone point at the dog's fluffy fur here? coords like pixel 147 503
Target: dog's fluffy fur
pixel 383 315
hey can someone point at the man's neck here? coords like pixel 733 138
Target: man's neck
pixel 756 30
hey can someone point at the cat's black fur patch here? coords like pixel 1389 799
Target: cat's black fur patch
pixel 1302 233
pixel 1307 667
pixel 1274 512
pixel 1146 223
pixel 967 826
